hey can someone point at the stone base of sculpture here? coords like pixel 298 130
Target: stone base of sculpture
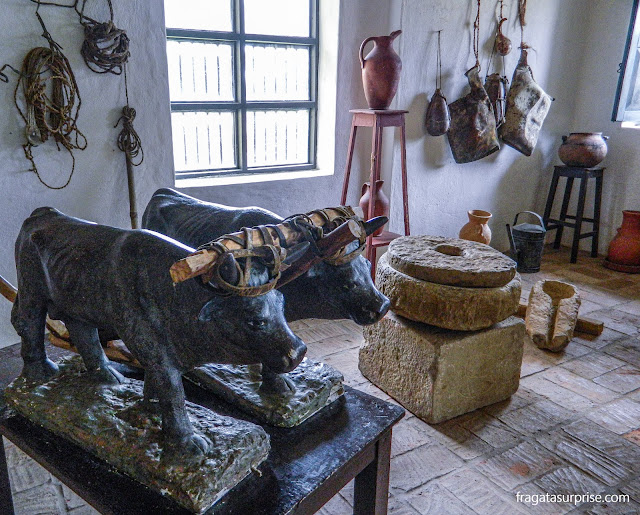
pixel 438 374
pixel 111 422
pixel 315 384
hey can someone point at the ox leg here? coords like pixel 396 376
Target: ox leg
pixel 276 383
pixel 176 426
pixel 151 399
pixel 28 317
pixel 85 338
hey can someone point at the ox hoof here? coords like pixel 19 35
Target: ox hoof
pixel 192 445
pixel 40 371
pixel 107 375
pixel 279 384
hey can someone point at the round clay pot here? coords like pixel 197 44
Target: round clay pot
pixel 624 249
pixel 381 207
pixel 477 228
pixel 380 71
pixel 583 149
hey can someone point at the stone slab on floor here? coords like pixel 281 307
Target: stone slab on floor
pixel 74 407
pixel 450 307
pixel 316 386
pixel 438 374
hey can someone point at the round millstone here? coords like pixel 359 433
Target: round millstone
pixel 451 261
pixel 450 307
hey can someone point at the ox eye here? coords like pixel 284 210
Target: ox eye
pixel 257 324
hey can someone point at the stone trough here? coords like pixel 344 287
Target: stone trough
pixel 552 314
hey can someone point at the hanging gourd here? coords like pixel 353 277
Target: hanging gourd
pixel 503 43
pixel 437 120
pixel 495 84
pixel 527 102
pixel 472 134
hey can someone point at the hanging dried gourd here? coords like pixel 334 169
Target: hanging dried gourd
pixel 472 134
pixel 496 84
pixel 503 43
pixel 437 120
pixel 527 102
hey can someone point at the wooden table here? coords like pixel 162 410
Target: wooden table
pixel 307 465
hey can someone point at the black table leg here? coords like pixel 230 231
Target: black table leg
pixel 563 211
pixel 371 488
pixel 579 215
pixel 551 197
pixel 6 501
pixel 596 217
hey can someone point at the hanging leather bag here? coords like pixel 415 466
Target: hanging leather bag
pixel 472 134
pixel 527 107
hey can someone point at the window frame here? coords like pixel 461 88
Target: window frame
pixel 628 70
pixel 239 39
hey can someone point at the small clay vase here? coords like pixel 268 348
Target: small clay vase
pixel 477 228
pixel 380 71
pixel 624 249
pixel 583 149
pixel 381 207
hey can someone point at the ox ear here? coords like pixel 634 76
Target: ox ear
pixel 208 311
pixel 370 226
pixel 228 269
pixel 296 252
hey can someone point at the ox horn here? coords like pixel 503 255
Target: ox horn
pixel 370 226
pixel 330 244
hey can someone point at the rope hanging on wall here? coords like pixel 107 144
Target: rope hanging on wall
pixel 105 48
pixel 47 114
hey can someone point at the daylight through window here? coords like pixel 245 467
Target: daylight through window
pixel 242 80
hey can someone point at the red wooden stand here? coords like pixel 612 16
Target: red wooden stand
pixel 378 119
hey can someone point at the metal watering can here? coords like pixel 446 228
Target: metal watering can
pixel 527 241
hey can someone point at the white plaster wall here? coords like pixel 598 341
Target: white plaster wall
pixel 605 39
pixel 98 190
pixel 441 191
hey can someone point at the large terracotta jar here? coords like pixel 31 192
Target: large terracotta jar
pixel 381 207
pixel 583 149
pixel 477 228
pixel 380 71
pixel 624 249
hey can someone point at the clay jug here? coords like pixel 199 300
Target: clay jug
pixel 583 149
pixel 477 228
pixel 381 207
pixel 624 249
pixel 380 70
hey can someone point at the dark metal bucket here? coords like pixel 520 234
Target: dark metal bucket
pixel 527 242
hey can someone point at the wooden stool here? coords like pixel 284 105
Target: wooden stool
pixel 584 174
pixel 377 119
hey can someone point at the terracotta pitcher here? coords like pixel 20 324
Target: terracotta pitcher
pixel 381 207
pixel 477 228
pixel 624 249
pixel 380 70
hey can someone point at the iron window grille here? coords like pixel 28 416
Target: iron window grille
pixel 192 145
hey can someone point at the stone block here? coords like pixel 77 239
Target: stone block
pixel 438 374
pixel 450 307
pixel 552 314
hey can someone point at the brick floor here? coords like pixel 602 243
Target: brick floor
pixel 572 427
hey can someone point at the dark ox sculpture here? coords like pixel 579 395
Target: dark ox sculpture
pixel 97 277
pixel 325 291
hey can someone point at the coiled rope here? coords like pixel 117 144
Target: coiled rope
pixel 47 114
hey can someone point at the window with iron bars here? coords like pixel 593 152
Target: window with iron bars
pixel 243 85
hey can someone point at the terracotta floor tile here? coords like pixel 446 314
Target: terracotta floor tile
pixel 593 365
pixel 622 380
pixel 619 416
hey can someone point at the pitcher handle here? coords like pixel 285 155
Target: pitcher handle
pixel 515 220
pixel 370 38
